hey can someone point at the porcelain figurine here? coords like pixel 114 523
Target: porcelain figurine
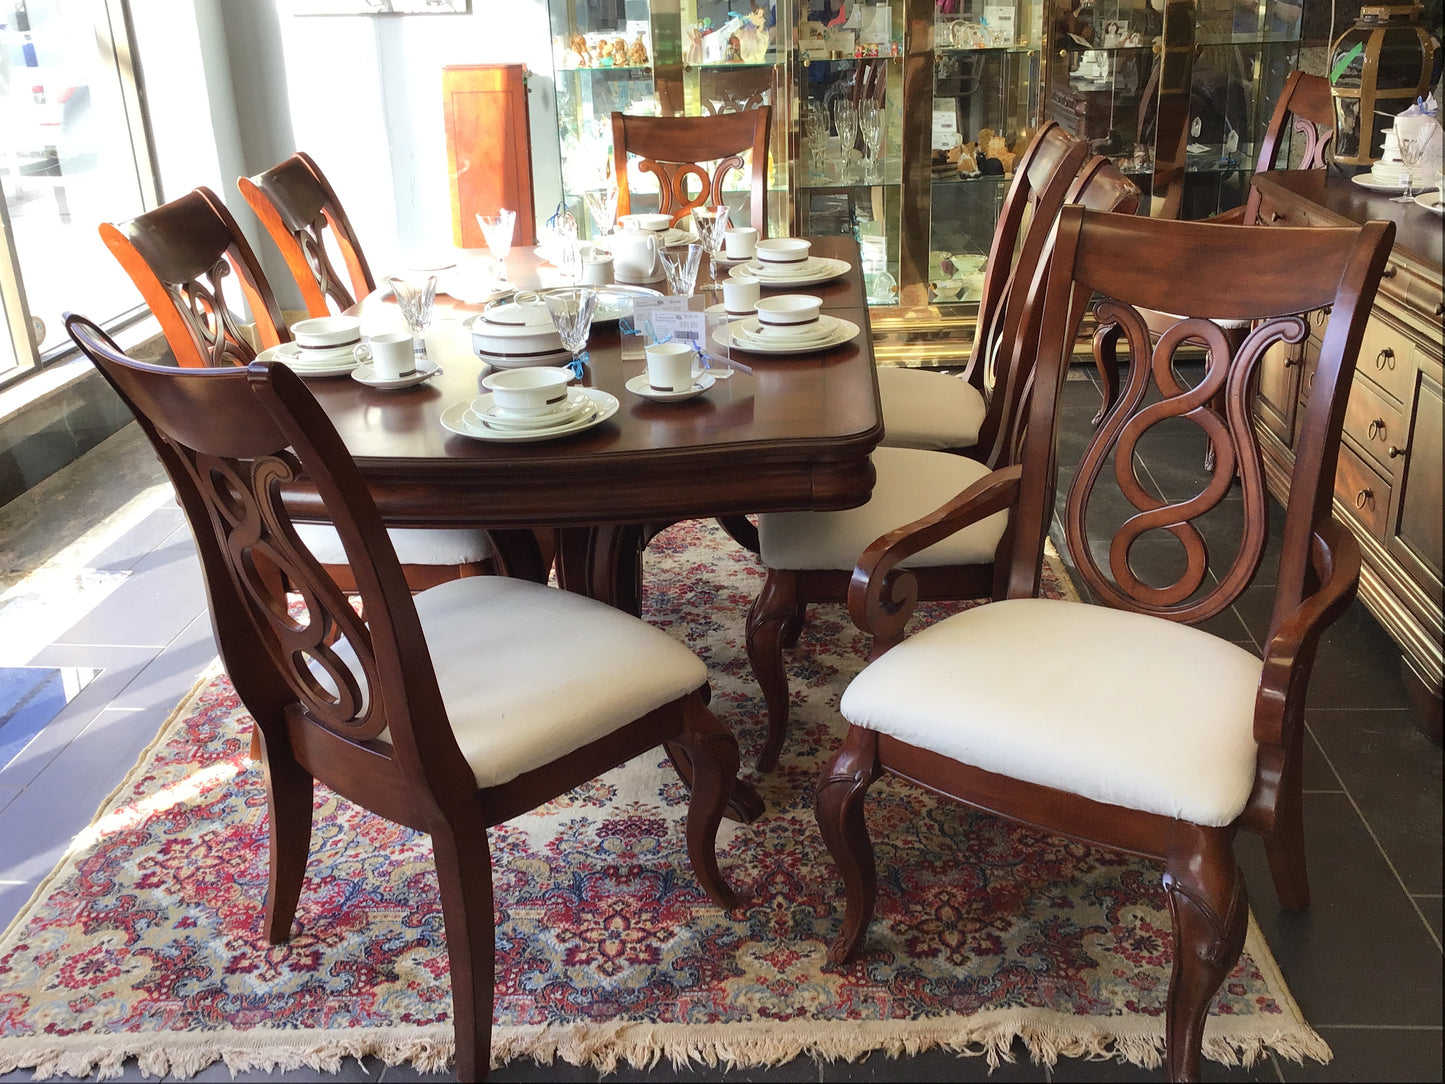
pixel 638 53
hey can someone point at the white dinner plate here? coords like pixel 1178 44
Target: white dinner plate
pixel 454 420
pixel 638 385
pixel 425 370
pixel 286 354
pixel 1432 201
pixel 845 332
pixel 1366 180
pixel 721 309
pixel 750 331
pixel 827 270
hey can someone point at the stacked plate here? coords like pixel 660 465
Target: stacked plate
pixel 749 334
pixel 803 273
pixel 516 333
pixel 312 362
pixel 482 419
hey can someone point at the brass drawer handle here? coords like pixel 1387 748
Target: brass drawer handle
pixel 1364 497
pixel 1310 381
pixel 1396 451
pixel 1385 357
pixel 1377 429
pixel 1291 362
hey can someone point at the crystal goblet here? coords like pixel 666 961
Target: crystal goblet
pixel 680 264
pixel 497 231
pixel 414 296
pixel 711 224
pixel 870 127
pixel 602 206
pixel 845 119
pixel 571 310
pixel 1413 134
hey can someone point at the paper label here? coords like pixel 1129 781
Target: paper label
pixel 1001 21
pixel 683 326
pixel 945 129
pixel 637 26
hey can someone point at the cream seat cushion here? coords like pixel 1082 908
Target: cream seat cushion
pixel 529 673
pixel 1123 708
pixel 911 483
pixel 923 409
pixel 414 545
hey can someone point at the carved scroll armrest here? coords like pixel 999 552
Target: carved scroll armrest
pixel 881 595
pixel 1335 557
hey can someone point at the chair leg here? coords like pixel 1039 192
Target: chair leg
pixel 768 619
pixel 288 805
pixel 464 875
pixel 1209 910
pixel 741 530
pixel 712 753
pixel 838 806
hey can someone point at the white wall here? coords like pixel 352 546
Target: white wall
pixel 360 94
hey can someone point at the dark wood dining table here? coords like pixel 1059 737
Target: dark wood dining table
pixel 784 433
pixel 794 432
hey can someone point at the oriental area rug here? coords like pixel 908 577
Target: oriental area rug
pixel 146 941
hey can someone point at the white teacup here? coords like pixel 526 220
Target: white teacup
pixel 740 295
pixel 527 392
pixel 652 223
pixel 634 256
pixel 390 355
pixel 669 366
pixel 741 243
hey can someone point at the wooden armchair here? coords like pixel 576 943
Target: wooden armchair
pixel 810 556
pixel 297 206
pixel 447 712
pixel 936 411
pixel 1119 723
pixel 181 256
pixel 675 150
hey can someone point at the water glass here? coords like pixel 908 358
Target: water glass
pixel 680 264
pixel 414 296
pixel 571 310
pixel 711 224
pixel 816 124
pixel 845 119
pixel 497 230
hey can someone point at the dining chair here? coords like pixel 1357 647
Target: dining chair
pixel 691 157
pixel 809 557
pixel 941 412
pixel 180 256
pixel 1120 723
pixel 449 711
pixel 297 206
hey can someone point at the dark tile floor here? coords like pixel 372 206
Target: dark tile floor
pixel 98 571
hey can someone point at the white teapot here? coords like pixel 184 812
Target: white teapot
pixel 635 256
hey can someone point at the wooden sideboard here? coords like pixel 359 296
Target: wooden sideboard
pixel 1388 486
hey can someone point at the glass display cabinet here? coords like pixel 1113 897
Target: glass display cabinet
pixel 1176 92
pixel 694 59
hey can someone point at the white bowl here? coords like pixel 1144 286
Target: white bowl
pixel 783 250
pixel 326 332
pixel 529 392
pixel 514 330
pixel 788 310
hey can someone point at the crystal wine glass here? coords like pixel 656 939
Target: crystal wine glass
pixel 571 309
pixel 711 224
pixel 815 122
pixel 602 206
pixel 1413 134
pixel 414 296
pixel 870 127
pixel 497 230
pixel 680 264
pixel 845 119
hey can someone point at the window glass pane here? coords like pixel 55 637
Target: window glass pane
pixel 66 159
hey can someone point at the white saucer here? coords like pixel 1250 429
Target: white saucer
pixel 638 385
pixel 750 331
pixel 845 332
pixel 366 374
pixel 1365 180
pixel 340 367
pixel 453 419
pixel 720 309
pixel 1432 201
pixel 826 270
pixel 484 411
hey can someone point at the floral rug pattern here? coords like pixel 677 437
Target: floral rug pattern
pixel 146 941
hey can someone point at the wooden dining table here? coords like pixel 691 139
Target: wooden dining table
pixel 783 433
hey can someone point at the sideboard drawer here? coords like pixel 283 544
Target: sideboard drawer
pixel 1365 495
pixel 1386 359
pixel 1374 423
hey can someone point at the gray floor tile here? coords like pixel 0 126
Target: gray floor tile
pixel 163 594
pixel 1373 1054
pixel 1430 908
pixel 351 1069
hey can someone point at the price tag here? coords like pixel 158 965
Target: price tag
pixel 945 129
pixel 685 326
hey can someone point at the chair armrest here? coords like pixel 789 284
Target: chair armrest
pixel 881 596
pixel 1232 217
pixel 1289 656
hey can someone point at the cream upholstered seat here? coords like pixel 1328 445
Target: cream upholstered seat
pixel 923 409
pixel 440 546
pixel 911 483
pixel 1069 696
